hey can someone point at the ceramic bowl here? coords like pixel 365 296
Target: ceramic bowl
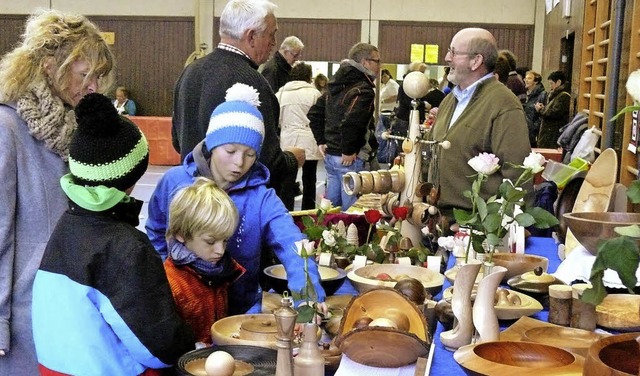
pixel 364 278
pixel 519 263
pixel 331 279
pixel 614 356
pixel 517 358
pixel 591 227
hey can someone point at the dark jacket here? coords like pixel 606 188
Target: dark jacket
pixel 554 116
pixel 538 94
pixel 342 118
pixel 101 300
pixel 203 86
pixel 276 71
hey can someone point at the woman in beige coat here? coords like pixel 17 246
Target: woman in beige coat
pixel 295 98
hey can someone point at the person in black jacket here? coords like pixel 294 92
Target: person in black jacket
pixel 342 120
pixel 277 70
pixel 204 83
pixel 101 289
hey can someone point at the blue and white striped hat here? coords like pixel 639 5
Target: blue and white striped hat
pixel 237 120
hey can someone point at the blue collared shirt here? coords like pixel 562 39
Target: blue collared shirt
pixel 463 97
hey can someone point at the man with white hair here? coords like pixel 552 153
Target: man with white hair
pixel 247 36
pixel 277 69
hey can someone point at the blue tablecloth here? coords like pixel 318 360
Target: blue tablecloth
pixel 443 362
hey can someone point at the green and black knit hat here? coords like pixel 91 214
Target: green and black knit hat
pixel 106 149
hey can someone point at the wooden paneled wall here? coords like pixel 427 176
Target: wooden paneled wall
pixel 324 40
pixel 395 39
pixel 150 54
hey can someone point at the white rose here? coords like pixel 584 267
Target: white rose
pixel 446 242
pixel 325 204
pixel 328 238
pixel 306 245
pixel 534 162
pixel 633 85
pixel 485 163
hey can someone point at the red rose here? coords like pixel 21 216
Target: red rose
pixel 401 212
pixel 372 216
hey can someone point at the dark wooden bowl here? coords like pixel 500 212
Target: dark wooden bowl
pixel 616 355
pixel 331 279
pixel 591 227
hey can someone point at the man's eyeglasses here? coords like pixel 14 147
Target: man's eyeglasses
pixel 294 55
pixel 453 52
pixel 377 61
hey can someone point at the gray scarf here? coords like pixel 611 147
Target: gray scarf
pixel 47 118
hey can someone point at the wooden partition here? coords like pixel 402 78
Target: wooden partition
pixel 157 130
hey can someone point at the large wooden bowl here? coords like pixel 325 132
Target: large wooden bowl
pixel 517 358
pixel 379 346
pixel 363 279
pixel 254 330
pixel 616 355
pixel 575 340
pixel 591 227
pixel 331 279
pixel 519 263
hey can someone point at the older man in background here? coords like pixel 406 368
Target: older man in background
pixel 247 36
pixel 481 115
pixel 277 69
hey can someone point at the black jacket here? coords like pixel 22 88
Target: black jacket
pixel 342 118
pixel 276 71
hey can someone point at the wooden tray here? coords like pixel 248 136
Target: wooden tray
pixel 528 306
pixel 619 312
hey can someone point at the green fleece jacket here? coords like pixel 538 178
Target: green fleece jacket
pixel 493 122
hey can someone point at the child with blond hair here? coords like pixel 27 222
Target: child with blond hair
pixel 202 218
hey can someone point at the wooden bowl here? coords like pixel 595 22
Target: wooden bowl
pixel 364 278
pixel 614 356
pixel 517 358
pixel 331 279
pixel 519 263
pixel 574 340
pixel 249 360
pixel 253 330
pixel 619 312
pixel 591 227
pixel 379 346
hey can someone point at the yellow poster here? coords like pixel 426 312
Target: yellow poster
pixel 431 53
pixel 417 52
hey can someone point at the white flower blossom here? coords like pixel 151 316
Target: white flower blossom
pixel 328 238
pixel 305 244
pixel 485 163
pixel 633 86
pixel 534 162
pixel 446 242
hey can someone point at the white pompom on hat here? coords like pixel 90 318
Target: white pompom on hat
pixel 237 120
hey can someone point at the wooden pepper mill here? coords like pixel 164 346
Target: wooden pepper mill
pixel 285 323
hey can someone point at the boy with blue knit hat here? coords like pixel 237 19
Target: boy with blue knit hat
pixel 229 156
pixel 101 300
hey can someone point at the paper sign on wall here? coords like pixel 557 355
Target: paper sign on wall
pixel 431 53
pixel 417 52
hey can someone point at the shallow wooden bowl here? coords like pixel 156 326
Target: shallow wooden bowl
pixel 614 356
pixel 591 227
pixel 517 358
pixel 363 279
pixel 575 340
pixel 253 330
pixel 331 279
pixel 519 263
pixel 527 307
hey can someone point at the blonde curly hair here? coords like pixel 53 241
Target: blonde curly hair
pixel 63 37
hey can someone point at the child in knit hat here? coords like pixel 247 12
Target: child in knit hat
pixel 101 300
pixel 202 218
pixel 229 156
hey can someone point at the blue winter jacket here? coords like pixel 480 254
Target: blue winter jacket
pixel 264 222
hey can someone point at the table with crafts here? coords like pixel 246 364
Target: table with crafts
pixel 442 361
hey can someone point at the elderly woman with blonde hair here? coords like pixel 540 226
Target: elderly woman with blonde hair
pixel 60 58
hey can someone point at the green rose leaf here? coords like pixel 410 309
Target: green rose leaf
pixel 305 313
pixel 632 231
pixel 633 192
